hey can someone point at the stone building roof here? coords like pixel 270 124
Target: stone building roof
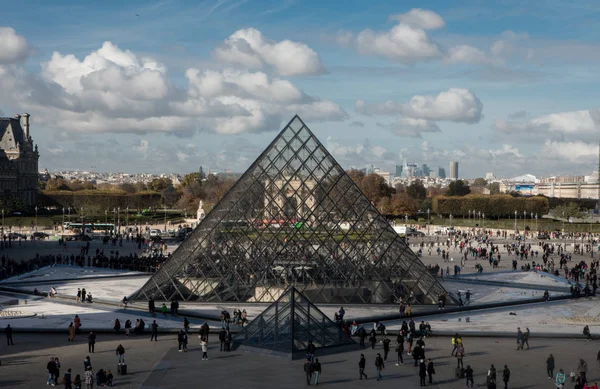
pixel 11 133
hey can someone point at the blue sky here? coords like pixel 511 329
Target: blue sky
pixel 507 87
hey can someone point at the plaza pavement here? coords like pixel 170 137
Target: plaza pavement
pixel 159 364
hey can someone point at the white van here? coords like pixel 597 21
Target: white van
pixel 155 232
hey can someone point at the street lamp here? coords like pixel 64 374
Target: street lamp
pixel 479 217
pixel 106 216
pixel 127 218
pixel 483 217
pixel 82 226
pixel 536 223
pixel 428 220
pixel 2 223
pixel 515 224
pixel 115 220
pixel 469 214
pixel 63 223
pixel 69 215
pixel 524 219
pixel 166 218
pixel 36 220
pixel 450 220
pixel 118 220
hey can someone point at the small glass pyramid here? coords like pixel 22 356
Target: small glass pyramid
pixel 288 325
pixel 294 218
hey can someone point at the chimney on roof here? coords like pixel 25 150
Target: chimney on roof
pixel 26 125
pixel 17 116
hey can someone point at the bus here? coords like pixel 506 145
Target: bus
pixel 91 228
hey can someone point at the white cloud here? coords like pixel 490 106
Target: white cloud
pixel 403 43
pixel 115 90
pixel 421 18
pixel 13 47
pixel 250 49
pixel 455 104
pixel 410 127
pixel 344 38
pixel 470 55
pixel 581 153
pixel 570 125
pixel 357 154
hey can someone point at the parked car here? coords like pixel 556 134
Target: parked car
pixel 83 238
pixel 542 235
pixel 16 235
pixel 414 232
pixel 40 235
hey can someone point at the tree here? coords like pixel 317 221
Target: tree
pixel 416 190
pixel 356 175
pixel 127 187
pixel 57 184
pixel 458 188
pixel 191 178
pixel 566 211
pixel 375 187
pixel 160 184
pixel 402 204
pixel 494 188
pixel 480 182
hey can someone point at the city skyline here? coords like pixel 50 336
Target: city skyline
pixel 161 87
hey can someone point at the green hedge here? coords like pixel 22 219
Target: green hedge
pixel 494 206
pixel 99 200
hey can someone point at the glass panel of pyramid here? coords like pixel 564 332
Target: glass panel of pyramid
pixel 294 218
pixel 289 324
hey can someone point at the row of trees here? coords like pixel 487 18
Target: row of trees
pixel 493 206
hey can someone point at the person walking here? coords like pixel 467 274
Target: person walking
pixel 120 352
pixel 204 343
pixel 222 337
pixel 361 367
pixel 560 379
pixel 154 335
pixel 180 340
pixel 373 338
pixel 67 379
pixel 460 353
pixel 491 375
pixel 151 306
pixel 379 365
pixel 582 369
pixel 519 339
pixel 430 370
pixel 77 382
pixel 164 309
pixel 526 338
pixel 71 332
pixel 8 332
pixel 317 370
pixel 87 363
pixel 550 366
pixel 454 341
pixel 505 376
pixel 469 375
pixel 91 342
pixel 422 372
pixel 399 350
pixel 308 370
pixel 89 378
pixel 51 367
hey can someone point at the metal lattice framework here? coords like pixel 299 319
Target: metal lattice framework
pixel 289 324
pixel 294 218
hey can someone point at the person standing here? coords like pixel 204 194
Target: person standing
pixel 317 370
pixel 83 295
pixel 582 369
pixel 469 375
pixel 67 379
pixel 422 372
pixel 460 353
pixel 361 367
pixel 51 366
pixel 180 340
pixel 154 331
pixel 386 347
pixel 204 343
pixel 430 370
pixel 373 338
pixel 164 309
pixel 506 376
pixel 379 365
pixel 560 379
pixel 71 332
pixel 491 375
pixel 399 350
pixel 550 366
pixel 89 378
pixel 308 369
pixel 151 306
pixel 519 339
pixel 121 355
pixel 310 351
pixel 8 331
pixel 454 341
pixel 91 342
pixel 78 295
pixel 77 382
pixel 222 335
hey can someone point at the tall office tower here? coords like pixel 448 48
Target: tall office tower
pixel 425 169
pixel 398 170
pixel 454 170
pixel 441 172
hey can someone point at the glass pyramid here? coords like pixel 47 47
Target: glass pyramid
pixel 288 325
pixel 294 218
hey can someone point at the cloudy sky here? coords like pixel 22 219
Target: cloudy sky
pixel 170 85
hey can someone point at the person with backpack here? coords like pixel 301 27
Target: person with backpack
pixel 308 370
pixel 361 367
pixel 379 365
pixel 506 376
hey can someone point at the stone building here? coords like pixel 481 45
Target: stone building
pixel 18 160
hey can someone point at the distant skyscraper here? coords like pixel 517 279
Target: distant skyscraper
pixel 398 170
pixel 454 170
pixel 425 169
pixel 441 172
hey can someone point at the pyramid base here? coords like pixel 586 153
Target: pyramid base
pixel 297 355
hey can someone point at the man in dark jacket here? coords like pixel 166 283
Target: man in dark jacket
pixel 317 370
pixel 51 366
pixel 222 336
pixel 310 351
pixel 430 370
pixel 505 376
pixel 8 331
pixel 151 306
pixel 361 366
pixel 362 334
pixel 469 375
pixel 91 342
pixel 379 365
pixel 386 348
pixel 181 340
pixel 154 331
pixel 68 379
pixel 308 369
pixel 422 372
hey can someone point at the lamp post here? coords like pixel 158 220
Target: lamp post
pixel 450 220
pixel 36 220
pixel 127 218
pixel 106 216
pixel 515 224
pixel 469 215
pixel 69 215
pixel 2 223
pixel 82 226
pixel 63 223
pixel 428 220
pixel 483 218
pixel 115 220
pixel 166 218
pixel 479 217
pixel 118 220
pixel 536 223
pixel 524 219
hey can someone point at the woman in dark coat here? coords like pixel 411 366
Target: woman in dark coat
pixel 422 372
pixel 550 366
